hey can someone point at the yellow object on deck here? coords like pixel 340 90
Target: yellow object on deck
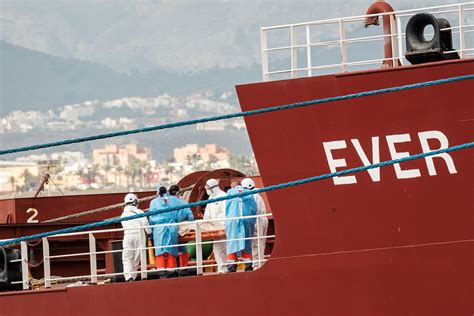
pixel 151 252
pixel 210 269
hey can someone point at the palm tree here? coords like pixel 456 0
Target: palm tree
pixel 193 160
pixel 80 173
pixel 137 172
pixel 12 181
pixel 147 174
pixel 242 163
pixel 143 170
pixel 212 160
pixel 107 168
pixel 169 173
pixel 27 177
pixel 119 171
pixel 129 173
pixel 94 170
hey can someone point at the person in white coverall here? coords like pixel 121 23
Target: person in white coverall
pixel 263 221
pixel 216 211
pixel 131 237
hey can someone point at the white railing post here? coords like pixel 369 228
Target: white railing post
pixel 24 265
pixel 393 40
pixel 143 251
pixel 400 40
pixel 264 47
pixel 308 51
pixel 294 52
pixel 259 246
pixel 46 263
pixel 198 240
pixel 93 258
pixel 462 39
pixel 342 46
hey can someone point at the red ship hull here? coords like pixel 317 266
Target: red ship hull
pixel 389 247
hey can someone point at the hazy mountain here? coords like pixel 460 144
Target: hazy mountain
pixel 31 80
pixel 151 47
pixel 184 36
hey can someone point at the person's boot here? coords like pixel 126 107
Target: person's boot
pixel 173 274
pixel 232 267
pixel 184 259
pixel 248 267
pixel 247 262
pixel 163 274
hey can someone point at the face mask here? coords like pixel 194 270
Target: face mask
pixel 208 191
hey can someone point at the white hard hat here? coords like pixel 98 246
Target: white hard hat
pixel 130 197
pixel 248 183
pixel 212 183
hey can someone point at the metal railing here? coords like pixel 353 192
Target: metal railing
pixel 298 55
pixel 93 276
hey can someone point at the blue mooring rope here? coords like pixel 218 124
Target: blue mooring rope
pixel 238 114
pixel 265 189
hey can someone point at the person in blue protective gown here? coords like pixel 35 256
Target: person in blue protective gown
pixel 239 228
pixel 185 215
pixel 258 244
pixel 164 236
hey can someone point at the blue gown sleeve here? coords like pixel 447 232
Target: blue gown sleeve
pixel 186 214
pixel 189 214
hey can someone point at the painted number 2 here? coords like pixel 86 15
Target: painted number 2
pixel 32 218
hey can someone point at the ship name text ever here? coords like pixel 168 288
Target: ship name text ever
pixel 335 150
